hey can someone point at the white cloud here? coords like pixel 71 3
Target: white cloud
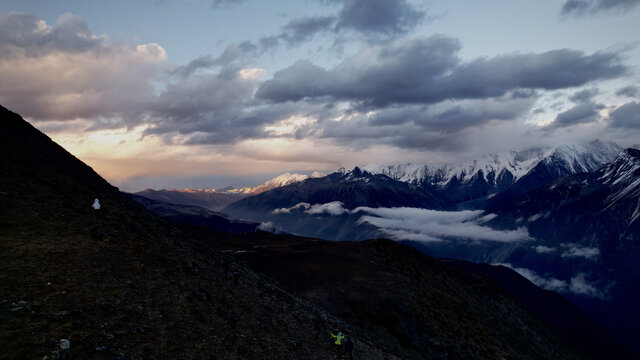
pixel 333 208
pixel 432 225
pixel 288 210
pixel 65 72
pixel 268 227
pixel 574 251
pixel 541 249
pixel 578 284
pixel 549 283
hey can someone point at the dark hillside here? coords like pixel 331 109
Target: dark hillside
pixel 121 283
pixel 418 307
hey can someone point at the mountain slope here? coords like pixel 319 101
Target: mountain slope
pixel 423 308
pixel 195 215
pixel 588 224
pixel 121 283
pixel 212 200
pixel 557 311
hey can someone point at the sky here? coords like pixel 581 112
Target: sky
pixel 211 93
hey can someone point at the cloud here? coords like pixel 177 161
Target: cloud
pixel 626 116
pixel 211 108
pixel 378 17
pixel 222 3
pixel 431 225
pixel 628 91
pixel 64 72
pixel 584 95
pixel 27 35
pixel 333 208
pixel 541 249
pixel 302 29
pixel 578 284
pixel 428 70
pixel 579 114
pixel 573 251
pixel 548 283
pixel 369 19
pixel 267 226
pixel 301 205
pixel 453 116
pixel 419 224
pixel 584 7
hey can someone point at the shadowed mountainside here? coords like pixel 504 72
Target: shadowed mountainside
pixel 121 283
pixel 195 215
pixel 420 307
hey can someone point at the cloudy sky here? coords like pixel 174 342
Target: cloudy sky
pixel 168 93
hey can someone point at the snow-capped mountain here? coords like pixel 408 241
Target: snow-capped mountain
pixel 216 199
pixel 496 172
pixel 280 181
pixel 584 225
pixel 514 162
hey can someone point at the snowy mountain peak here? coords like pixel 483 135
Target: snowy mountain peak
pixel 279 181
pixel 517 163
pixel 508 166
pixel 574 158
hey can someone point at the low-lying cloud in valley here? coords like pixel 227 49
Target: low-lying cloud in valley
pixel 417 224
pixel 432 225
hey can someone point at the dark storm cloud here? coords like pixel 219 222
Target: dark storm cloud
pixel 579 114
pixel 626 116
pixel 584 95
pixel 628 91
pixel 583 7
pixel 428 70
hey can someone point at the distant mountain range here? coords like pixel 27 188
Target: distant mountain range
pixel 493 173
pixel 461 184
pixel 216 199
